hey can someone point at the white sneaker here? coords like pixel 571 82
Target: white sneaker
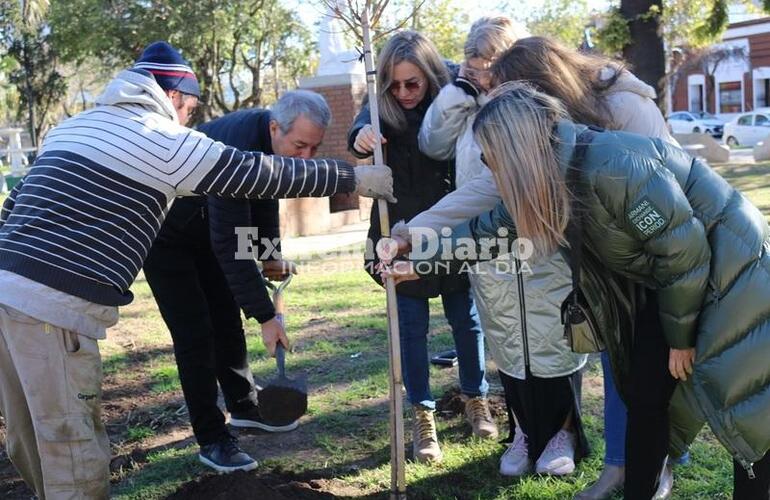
pixel 558 458
pixel 515 461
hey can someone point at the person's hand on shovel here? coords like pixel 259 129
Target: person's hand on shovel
pixel 400 242
pixel 278 270
pixel 366 140
pixel 399 270
pixel 273 332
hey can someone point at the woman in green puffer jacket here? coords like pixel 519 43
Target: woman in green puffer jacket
pixel 671 250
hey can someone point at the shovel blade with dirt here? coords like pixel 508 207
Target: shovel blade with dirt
pixel 282 400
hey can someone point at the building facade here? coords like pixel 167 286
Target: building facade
pixel 732 77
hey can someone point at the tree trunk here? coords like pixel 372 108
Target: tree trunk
pixel 645 53
pixel 28 71
pixel 276 83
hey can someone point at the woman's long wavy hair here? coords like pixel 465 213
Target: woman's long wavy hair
pixel 491 36
pixel 413 47
pixel 515 131
pixel 579 80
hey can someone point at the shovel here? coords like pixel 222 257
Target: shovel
pixel 282 400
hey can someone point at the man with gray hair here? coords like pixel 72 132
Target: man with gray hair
pixel 200 284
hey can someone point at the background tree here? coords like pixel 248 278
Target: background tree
pixel 9 94
pixel 565 20
pixel 231 44
pixel 645 53
pixel 444 23
pixel 32 60
pixel 386 18
pixel 639 28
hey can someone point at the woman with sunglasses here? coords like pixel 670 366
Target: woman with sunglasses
pixel 668 246
pixel 539 372
pixel 410 73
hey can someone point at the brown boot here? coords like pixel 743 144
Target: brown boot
pixel 424 439
pixel 478 416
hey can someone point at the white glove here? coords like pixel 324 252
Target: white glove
pixel 375 181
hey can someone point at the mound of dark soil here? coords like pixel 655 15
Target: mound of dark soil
pixel 245 485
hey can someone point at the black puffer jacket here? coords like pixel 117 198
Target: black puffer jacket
pixel 208 221
pixel 418 183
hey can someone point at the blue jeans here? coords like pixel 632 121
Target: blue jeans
pixel 614 418
pixel 615 421
pixel 413 323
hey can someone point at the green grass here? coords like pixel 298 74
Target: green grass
pixel 336 323
pixel 162 474
pixel 332 322
pixel 139 433
pixel 752 180
pixel 165 378
pixel 115 363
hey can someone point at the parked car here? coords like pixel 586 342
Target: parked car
pixel 700 122
pixel 747 129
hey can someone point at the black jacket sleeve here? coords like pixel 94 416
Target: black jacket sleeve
pixel 264 216
pixel 246 130
pixel 241 271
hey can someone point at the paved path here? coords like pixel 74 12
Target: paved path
pixel 300 247
pixel 742 155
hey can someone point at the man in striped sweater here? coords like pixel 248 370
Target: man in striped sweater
pixel 74 234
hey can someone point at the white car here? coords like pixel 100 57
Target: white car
pixel 700 122
pixel 747 129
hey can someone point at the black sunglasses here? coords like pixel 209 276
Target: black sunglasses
pixel 409 85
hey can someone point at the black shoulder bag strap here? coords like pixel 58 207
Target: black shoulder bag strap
pixel 575 184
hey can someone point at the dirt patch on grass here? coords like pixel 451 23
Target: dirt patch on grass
pixel 129 401
pixel 11 485
pixel 249 485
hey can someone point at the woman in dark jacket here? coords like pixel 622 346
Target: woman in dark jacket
pixel 654 218
pixel 409 76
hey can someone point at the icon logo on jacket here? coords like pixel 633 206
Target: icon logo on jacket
pixel 647 218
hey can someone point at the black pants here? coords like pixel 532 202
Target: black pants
pixel 650 389
pixel 752 489
pixel 205 324
pixel 541 406
pixel 647 433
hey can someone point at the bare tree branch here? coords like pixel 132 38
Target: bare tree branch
pixel 351 16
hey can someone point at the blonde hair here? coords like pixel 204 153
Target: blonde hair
pixel 413 47
pixel 491 36
pixel 515 131
pixel 573 77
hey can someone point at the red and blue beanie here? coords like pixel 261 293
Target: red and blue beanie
pixel 169 68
